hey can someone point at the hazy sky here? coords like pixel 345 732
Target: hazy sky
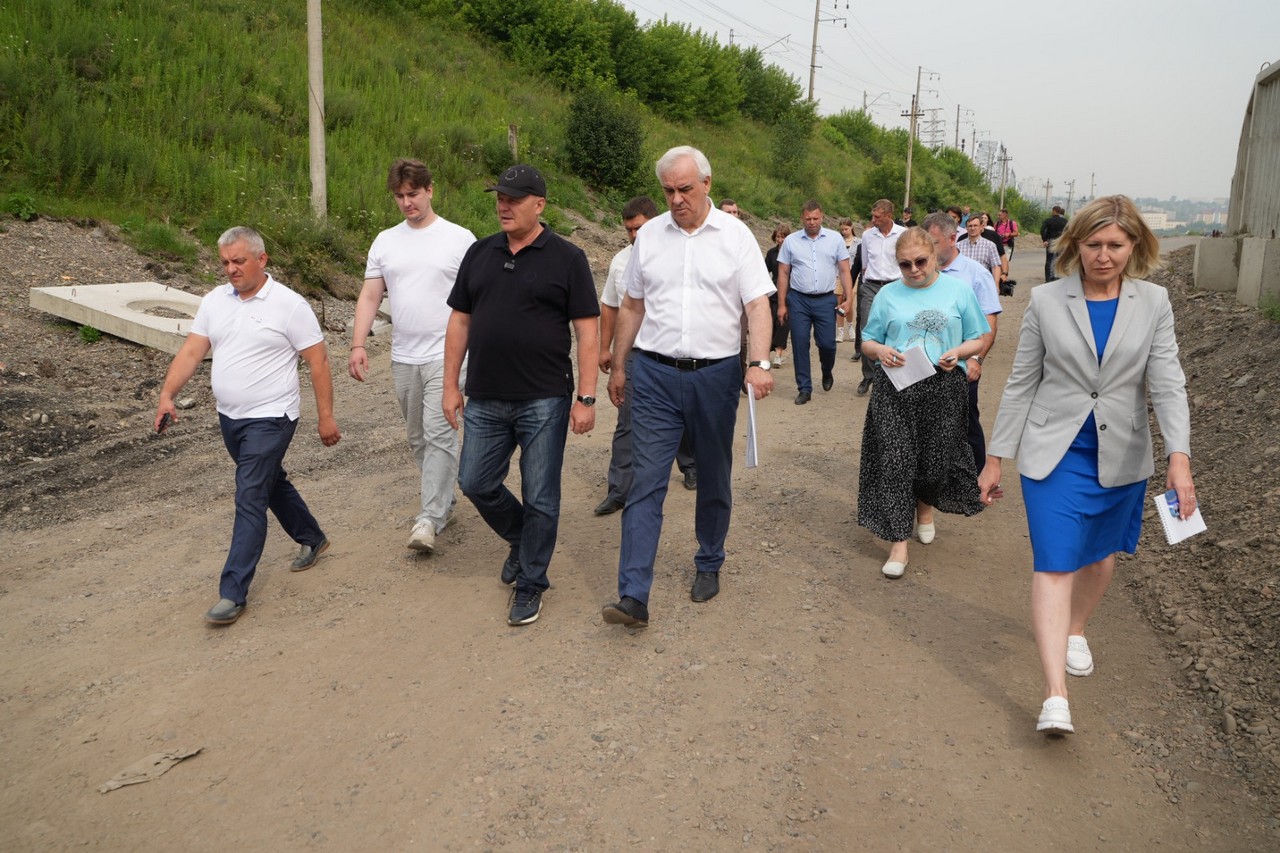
pixel 1147 95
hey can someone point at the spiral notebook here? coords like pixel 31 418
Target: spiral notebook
pixel 1177 529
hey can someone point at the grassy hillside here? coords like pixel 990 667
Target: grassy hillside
pixel 183 119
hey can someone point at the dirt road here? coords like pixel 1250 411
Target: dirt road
pixel 380 701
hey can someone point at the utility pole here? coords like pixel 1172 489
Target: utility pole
pixel 1048 188
pixel 1071 193
pixel 1004 172
pixel 1092 175
pixel 911 132
pixel 315 109
pixel 818 19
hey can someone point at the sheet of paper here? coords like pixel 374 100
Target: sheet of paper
pixel 752 459
pixel 916 366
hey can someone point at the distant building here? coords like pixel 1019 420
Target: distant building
pixel 1157 220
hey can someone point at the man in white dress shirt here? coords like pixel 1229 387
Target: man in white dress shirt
pixel 879 265
pixel 693 273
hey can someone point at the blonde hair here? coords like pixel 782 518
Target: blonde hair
pixel 1115 210
pixel 915 235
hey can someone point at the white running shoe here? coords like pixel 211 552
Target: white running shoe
pixel 1055 717
pixel 1079 658
pixel 423 537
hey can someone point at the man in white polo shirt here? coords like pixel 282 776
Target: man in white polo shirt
pixel 415 264
pixel 256 328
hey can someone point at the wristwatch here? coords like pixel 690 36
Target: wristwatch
pixel 763 365
pixel 976 358
pixel 586 401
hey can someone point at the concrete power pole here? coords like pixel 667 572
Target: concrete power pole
pixel 1048 188
pixel 1071 193
pixel 813 56
pixel 315 110
pixel 1004 172
pixel 911 134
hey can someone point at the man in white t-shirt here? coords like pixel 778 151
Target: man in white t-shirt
pixel 415 264
pixel 256 328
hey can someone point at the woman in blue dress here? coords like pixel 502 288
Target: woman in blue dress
pixel 1093 345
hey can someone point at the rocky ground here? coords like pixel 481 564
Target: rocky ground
pixel 802 710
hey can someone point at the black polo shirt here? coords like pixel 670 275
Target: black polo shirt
pixel 521 307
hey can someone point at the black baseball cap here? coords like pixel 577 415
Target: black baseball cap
pixel 519 181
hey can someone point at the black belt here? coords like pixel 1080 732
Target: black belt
pixel 683 363
pixel 876 281
pixel 814 295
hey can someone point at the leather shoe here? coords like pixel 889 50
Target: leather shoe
pixel 863 387
pixel 628 612
pixel 803 397
pixel 691 479
pixel 706 586
pixel 827 381
pixel 608 506
pixel 510 570
pixel 307 556
pixel 224 612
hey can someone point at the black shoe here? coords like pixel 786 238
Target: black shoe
pixel 857 356
pixel 863 387
pixel 628 612
pixel 803 397
pixel 691 479
pixel 827 381
pixel 526 606
pixel 608 506
pixel 510 570
pixel 307 556
pixel 706 586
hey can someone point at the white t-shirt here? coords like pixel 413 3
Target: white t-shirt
pixel 613 292
pixel 256 343
pixel 418 266
pixel 694 286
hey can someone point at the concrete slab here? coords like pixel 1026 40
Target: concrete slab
pixel 381 320
pixel 1259 272
pixel 1217 264
pixel 145 312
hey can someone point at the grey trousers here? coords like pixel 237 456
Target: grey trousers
pixel 621 474
pixel 867 291
pixel 419 388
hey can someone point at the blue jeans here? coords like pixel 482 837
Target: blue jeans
pixel 819 314
pixel 493 429
pixel 258 445
pixel 666 404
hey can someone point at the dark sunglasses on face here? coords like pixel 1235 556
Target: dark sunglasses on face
pixel 918 263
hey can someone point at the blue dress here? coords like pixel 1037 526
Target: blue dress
pixel 1074 520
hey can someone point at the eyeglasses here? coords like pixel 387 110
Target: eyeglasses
pixel 917 264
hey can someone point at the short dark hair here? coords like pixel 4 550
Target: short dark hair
pixel 1057 208
pixel 727 202
pixel 641 205
pixel 781 231
pixel 412 172
pixel 811 205
pixel 955 208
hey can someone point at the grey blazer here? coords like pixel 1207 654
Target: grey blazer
pixel 1057 381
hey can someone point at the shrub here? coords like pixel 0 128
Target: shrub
pixel 22 206
pixel 604 139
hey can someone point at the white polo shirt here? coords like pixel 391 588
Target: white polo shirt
pixel 256 343
pixel 419 267
pixel 612 293
pixel 694 286
pixel 879 258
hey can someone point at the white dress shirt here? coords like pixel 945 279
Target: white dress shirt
pixel 879 258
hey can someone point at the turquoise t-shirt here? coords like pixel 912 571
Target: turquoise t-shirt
pixel 938 317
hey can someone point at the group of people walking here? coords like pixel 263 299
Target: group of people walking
pixel 483 341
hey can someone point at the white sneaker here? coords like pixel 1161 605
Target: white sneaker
pixel 423 537
pixel 839 334
pixel 1055 717
pixel 782 359
pixel 777 360
pixel 1079 658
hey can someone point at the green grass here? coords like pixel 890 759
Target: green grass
pixel 179 120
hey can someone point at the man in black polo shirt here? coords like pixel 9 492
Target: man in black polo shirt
pixel 516 294
pixel 1051 230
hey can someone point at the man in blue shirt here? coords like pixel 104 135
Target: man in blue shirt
pixel 809 263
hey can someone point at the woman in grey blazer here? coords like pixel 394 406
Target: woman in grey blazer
pixel 1074 412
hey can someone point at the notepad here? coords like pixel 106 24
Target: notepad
pixel 916 366
pixel 1177 529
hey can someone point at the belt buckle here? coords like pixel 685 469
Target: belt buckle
pixel 686 364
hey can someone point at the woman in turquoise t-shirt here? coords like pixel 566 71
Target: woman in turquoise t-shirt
pixel 915 451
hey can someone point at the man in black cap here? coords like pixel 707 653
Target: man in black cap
pixel 516 294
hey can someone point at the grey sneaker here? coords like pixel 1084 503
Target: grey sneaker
pixel 307 556
pixel 526 605
pixel 224 612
